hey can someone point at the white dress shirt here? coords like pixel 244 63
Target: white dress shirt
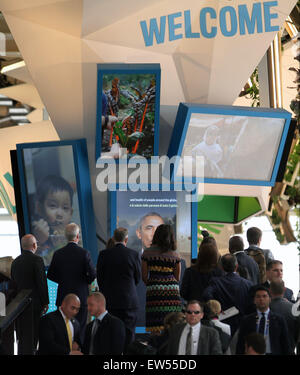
pixel 195 338
pixel 266 330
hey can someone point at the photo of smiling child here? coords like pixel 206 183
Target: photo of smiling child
pixel 51 196
pixel 53 211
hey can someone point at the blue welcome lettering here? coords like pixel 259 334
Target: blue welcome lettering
pixel 269 16
pixel 188 26
pixel 256 19
pixel 203 24
pixel 233 21
pixel 154 30
pixel 229 20
pixel 173 26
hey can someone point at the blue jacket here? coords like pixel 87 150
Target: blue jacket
pixel 230 290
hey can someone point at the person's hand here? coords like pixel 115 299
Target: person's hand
pixel 46 307
pixel 40 229
pixel 76 352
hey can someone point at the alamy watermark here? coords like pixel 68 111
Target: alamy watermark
pixel 140 174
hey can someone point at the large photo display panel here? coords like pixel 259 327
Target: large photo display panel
pixel 128 97
pixel 141 212
pixel 230 141
pixel 53 188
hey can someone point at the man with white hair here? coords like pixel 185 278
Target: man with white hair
pixel 28 272
pixel 72 269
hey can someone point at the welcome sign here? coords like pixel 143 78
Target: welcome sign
pixel 207 49
pixel 229 21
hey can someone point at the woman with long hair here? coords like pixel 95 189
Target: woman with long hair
pixel 161 274
pixel 196 278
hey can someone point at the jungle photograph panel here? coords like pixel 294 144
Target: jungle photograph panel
pixel 128 106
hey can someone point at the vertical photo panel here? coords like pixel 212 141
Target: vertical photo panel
pixel 127 110
pixel 54 184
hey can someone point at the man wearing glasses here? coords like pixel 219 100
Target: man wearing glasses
pixel 193 338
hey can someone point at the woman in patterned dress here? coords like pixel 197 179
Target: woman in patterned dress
pixel 161 274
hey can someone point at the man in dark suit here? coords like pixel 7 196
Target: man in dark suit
pixel 59 331
pixel 192 337
pixel 72 268
pixel 118 273
pixel 236 247
pixel 230 290
pixel 254 237
pixel 28 272
pixel 266 322
pixel 275 273
pixel 105 335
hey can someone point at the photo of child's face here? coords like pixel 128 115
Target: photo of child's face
pixel 57 209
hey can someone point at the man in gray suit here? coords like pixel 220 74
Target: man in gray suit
pixel 194 338
pixel 283 307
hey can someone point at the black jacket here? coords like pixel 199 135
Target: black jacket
pixel 28 272
pixel 230 290
pixel 118 273
pixel 53 336
pixel 72 268
pixel 109 338
pixel 278 333
pixel 195 282
pixel 247 262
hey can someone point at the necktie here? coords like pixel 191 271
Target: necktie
pixel 93 333
pixel 188 346
pixel 261 328
pixel 69 332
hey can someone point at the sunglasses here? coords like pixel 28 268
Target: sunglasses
pixel 193 312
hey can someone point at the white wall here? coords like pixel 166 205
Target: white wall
pixel 287 254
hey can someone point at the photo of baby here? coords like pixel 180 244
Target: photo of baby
pixel 52 196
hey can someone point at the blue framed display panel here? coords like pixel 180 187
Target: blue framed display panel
pixel 112 209
pixel 126 69
pixel 83 188
pixel 187 112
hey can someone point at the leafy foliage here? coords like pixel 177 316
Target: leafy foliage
pixel 125 140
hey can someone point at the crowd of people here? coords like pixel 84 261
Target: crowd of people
pixel 236 303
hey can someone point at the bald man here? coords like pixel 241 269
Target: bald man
pixel 59 330
pixel 28 272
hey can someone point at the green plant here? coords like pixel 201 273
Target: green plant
pixel 253 90
pixel 275 218
pixel 279 235
pixel 126 141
